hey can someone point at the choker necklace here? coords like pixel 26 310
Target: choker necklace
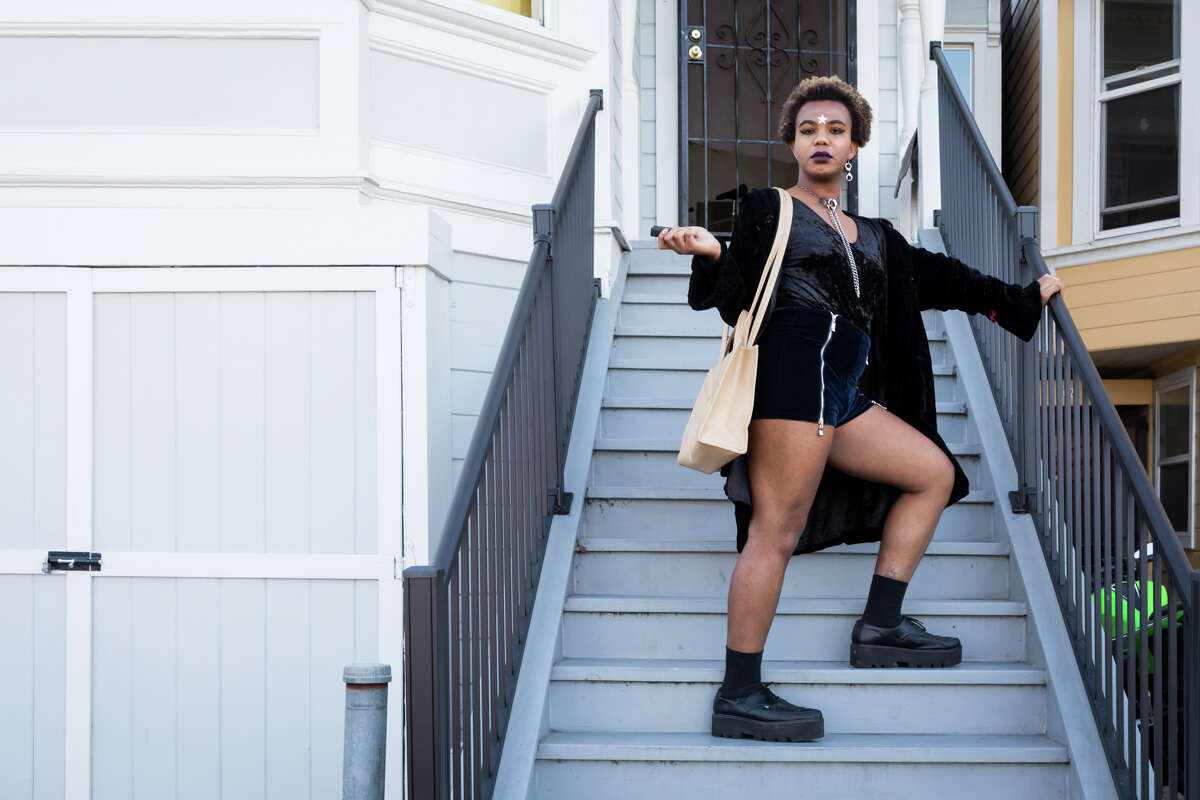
pixel 831 203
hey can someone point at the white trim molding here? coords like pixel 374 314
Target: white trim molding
pixel 1181 378
pixel 1088 67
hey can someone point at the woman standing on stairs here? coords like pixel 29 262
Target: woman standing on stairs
pixel 843 442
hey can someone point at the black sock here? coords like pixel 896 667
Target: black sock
pixel 883 601
pixel 743 672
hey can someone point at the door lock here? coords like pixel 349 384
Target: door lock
pixel 71 561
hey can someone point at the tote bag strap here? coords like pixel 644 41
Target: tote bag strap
pixel 766 283
pixel 770 272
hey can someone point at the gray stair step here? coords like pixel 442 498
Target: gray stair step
pixel 598 694
pixel 609 565
pixel 647 445
pixel 668 376
pixel 717 493
pixel 661 262
pixel 709 604
pixel 670 420
pixel 665 626
pixel 712 671
pixel 672 364
pixel 700 339
pixel 943 406
pixel 613 544
pixel 651 766
pixel 656 464
pixel 706 513
pixel 860 749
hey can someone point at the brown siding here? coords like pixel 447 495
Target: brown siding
pixel 1021 100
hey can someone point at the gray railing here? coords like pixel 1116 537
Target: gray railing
pixel 1109 546
pixel 466 613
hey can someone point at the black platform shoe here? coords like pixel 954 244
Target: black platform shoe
pixel 762 714
pixel 906 645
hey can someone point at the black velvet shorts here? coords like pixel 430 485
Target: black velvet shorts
pixel 809 363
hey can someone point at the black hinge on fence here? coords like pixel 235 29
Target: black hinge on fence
pixel 73 560
pixel 1023 499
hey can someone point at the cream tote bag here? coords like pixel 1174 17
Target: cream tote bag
pixel 718 429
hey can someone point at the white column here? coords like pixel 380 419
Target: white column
pixel 425 398
pixel 933 26
pixel 912 58
pixel 630 124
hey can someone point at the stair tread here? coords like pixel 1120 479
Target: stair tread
pixel 704 670
pixel 943 406
pixel 709 604
pixel 854 747
pixel 715 493
pixel 703 331
pixel 937 547
pixel 672 445
pixel 679 265
pixel 693 365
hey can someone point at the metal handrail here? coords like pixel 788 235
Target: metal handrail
pixel 1091 502
pixel 467 612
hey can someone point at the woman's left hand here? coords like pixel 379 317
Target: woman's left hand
pixel 1050 285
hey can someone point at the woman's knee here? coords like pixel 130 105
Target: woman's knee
pixel 778 530
pixel 942 478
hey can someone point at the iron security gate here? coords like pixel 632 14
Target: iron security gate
pixel 739 61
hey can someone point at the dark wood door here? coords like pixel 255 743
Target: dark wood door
pixel 739 60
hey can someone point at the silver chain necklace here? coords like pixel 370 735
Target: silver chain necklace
pixel 831 203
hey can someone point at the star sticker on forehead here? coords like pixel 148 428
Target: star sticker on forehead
pixel 821 118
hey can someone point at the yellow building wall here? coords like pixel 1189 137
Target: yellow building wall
pixel 522 7
pixel 1135 301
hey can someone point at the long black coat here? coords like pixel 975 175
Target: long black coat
pixel 899 371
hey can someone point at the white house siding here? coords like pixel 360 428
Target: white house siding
pixel 32 516
pixel 481 302
pixel 235 422
pixel 210 688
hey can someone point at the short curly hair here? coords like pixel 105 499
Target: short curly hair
pixel 827 87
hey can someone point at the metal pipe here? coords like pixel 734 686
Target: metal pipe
pixel 364 750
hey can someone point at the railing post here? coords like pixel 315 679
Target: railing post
pixel 543 231
pixel 364 739
pixel 1191 758
pixel 1024 500
pixel 426 692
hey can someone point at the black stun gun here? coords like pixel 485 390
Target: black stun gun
pixel 657 229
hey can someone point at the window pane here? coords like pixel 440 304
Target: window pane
pixel 1141 156
pixel 1173 494
pixel 1174 412
pixel 1138 33
pixel 960 66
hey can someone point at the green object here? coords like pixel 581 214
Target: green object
pixel 1114 607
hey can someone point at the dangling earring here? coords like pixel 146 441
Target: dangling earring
pixel 849 177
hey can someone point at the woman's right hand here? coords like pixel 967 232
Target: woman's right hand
pixel 690 240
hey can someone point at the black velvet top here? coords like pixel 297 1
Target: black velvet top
pixel 815 270
pixel 899 374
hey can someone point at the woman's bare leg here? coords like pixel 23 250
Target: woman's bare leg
pixel 785 460
pixel 879 446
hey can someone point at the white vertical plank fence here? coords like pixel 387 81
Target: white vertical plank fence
pixel 229 439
